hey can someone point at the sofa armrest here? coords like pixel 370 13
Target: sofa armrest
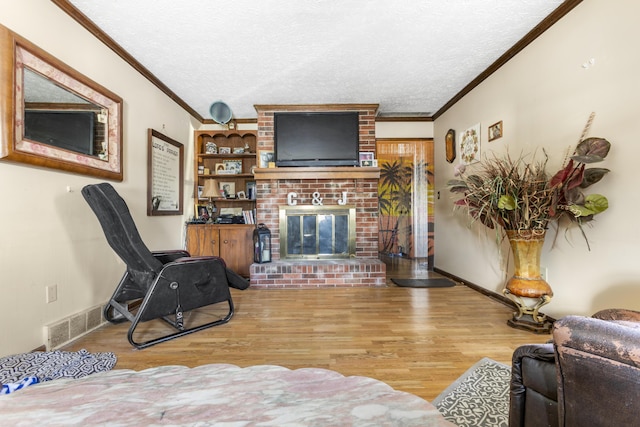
pixel 533 391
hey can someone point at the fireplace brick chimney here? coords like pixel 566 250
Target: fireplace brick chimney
pixel 362 191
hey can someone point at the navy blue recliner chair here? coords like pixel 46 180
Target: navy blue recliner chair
pixel 158 285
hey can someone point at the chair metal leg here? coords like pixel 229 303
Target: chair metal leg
pixel 180 333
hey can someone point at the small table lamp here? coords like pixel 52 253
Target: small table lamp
pixel 211 191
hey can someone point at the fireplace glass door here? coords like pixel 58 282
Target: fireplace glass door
pixel 317 232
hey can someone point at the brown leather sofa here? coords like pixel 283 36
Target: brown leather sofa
pixel 588 376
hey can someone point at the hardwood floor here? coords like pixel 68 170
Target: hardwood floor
pixel 414 339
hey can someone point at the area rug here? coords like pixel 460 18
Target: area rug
pixel 479 398
pixel 19 370
pixel 424 283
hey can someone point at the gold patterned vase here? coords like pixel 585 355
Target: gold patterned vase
pixel 526 246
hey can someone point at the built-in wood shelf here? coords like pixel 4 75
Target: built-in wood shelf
pixel 338 172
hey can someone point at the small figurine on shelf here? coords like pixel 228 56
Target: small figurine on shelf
pixel 247 149
pixel 211 148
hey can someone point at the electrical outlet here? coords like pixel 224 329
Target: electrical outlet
pixel 544 274
pixel 52 293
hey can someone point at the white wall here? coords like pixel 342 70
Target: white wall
pixel 544 97
pixel 404 129
pixel 49 235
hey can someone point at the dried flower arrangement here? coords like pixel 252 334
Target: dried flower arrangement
pixel 513 194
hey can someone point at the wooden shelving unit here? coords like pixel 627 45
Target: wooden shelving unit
pixel 231 242
pixel 207 164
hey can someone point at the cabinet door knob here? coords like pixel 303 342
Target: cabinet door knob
pixel 226 241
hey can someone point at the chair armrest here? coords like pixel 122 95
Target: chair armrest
pixel 532 367
pixel 617 341
pixel 169 256
pixel 598 371
pixel 619 314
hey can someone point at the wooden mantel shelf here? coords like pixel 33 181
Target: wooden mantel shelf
pixel 338 172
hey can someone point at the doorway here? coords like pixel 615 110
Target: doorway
pixel 405 197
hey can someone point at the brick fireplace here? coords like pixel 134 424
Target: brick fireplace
pixel 331 183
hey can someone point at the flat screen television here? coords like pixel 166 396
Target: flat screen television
pixel 316 139
pixel 71 130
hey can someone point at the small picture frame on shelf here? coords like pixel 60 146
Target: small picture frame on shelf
pixel 365 155
pixel 264 158
pixel 366 163
pixel 220 168
pixel 232 166
pixel 200 190
pixel 228 189
pixel 241 195
pixel 224 150
pixel 238 150
pixel 203 213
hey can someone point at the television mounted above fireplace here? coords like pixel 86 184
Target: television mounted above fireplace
pixel 316 138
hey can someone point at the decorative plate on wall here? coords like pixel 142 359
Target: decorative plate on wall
pixel 450 145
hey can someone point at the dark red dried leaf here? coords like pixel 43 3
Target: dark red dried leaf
pixel 561 176
pixel 593 147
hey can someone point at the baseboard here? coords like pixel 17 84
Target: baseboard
pixel 493 295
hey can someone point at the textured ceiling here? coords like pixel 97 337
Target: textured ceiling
pixel 411 56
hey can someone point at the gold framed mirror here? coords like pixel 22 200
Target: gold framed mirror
pixel 53 116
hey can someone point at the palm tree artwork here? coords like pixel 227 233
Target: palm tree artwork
pixel 405 194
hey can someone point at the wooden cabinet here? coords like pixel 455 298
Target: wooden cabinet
pixel 228 158
pixel 231 242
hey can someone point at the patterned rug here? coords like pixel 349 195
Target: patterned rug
pixel 479 398
pixel 24 369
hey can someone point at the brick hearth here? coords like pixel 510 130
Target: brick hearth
pixel 362 191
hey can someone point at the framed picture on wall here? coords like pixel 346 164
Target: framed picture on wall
pixel 495 131
pixel 470 145
pixel 165 175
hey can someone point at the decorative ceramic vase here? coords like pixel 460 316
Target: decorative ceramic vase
pixel 526 246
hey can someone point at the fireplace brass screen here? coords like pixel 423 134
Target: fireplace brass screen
pixel 317 232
